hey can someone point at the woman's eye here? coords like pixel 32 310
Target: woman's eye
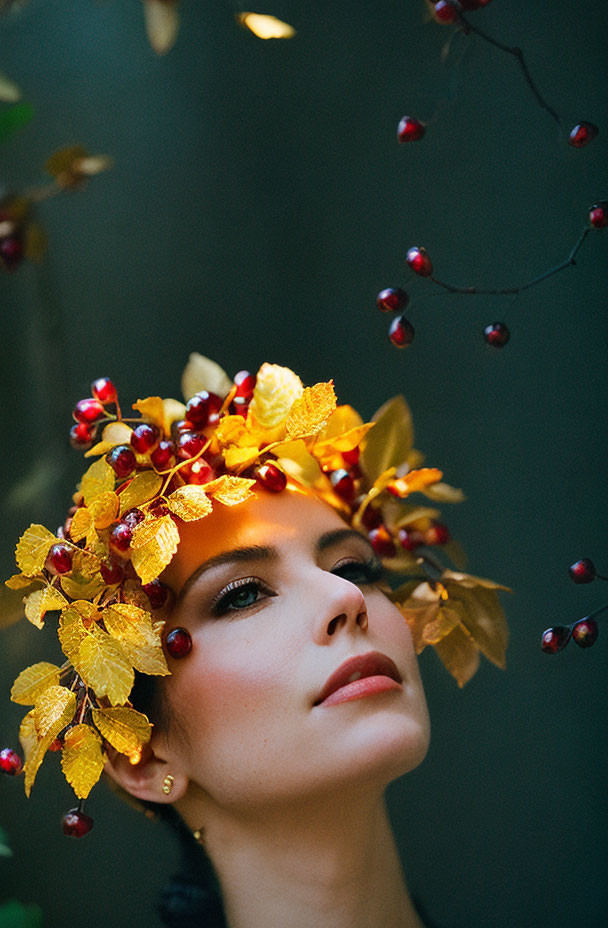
pixel 359 571
pixel 239 595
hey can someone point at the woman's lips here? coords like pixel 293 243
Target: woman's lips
pixel 360 676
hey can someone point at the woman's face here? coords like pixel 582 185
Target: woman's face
pixel 277 593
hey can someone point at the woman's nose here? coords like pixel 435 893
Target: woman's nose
pixel 342 608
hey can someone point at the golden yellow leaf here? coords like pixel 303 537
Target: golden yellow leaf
pixel 295 459
pixel 143 487
pixel 459 654
pixel 35 244
pixel 38 603
pixel 469 582
pixel 53 710
pixel 98 479
pixel 61 161
pixel 148 659
pixel 27 734
pixel 447 618
pixel 20 582
pixel 241 457
pixel 162 24
pixel 104 509
pixel 82 759
pixel 81 523
pixel 265 26
pixel 115 433
pixel 125 729
pixel 202 373
pixel 77 586
pixel 390 441
pixel 414 482
pixel 444 493
pixel 311 411
pixel 32 681
pixel 72 630
pixel 483 618
pixel 152 556
pixel 103 664
pixel 189 503
pixel 229 490
pixel 130 623
pixel 133 594
pixel 32 549
pixel 151 409
pixel 231 431
pixel 414 516
pixel 276 390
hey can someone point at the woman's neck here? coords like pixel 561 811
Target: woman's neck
pixel 331 864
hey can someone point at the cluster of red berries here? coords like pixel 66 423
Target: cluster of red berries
pixel 394 299
pixel 12 245
pixel 583 632
pixel 91 412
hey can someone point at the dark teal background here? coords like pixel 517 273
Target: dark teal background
pixel 258 202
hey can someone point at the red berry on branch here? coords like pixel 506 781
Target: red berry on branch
pixel 111 571
pixel 245 384
pixel 157 593
pixel 401 332
pixel 445 12
pixel 82 435
pixel 496 334
pixel 144 437
pixel 88 411
pixel 410 538
pixel 189 444
pixel 202 409
pixel 419 261
pixel 556 638
pixel 59 559
pixel 391 299
pixel 343 485
pixel 271 477
pixel 598 215
pixel 56 745
pixel 410 129
pixel 240 406
pixel 122 460
pixel 585 632
pixel 163 454
pixel 178 642
pixel 582 133
pixel 76 824
pixel 198 473
pixel 132 517
pixel 104 390
pixel 382 542
pixel 351 458
pixel 10 762
pixel 11 252
pixel 582 571
pixel 120 538
pixel 437 534
pixel 372 517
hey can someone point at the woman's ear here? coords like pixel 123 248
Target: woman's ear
pixel 151 778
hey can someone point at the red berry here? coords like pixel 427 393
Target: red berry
pixel 178 426
pixel 144 437
pixel 56 745
pixel 189 444
pixel 201 407
pixel 11 252
pixel 410 538
pixel 245 384
pixel 419 261
pixel 351 458
pixel 582 571
pixel 401 332
pixel 104 391
pixel 410 129
pixel 59 559
pixel 585 633
pixel 496 334
pixel 372 517
pixel 76 824
pixel 240 406
pixel 163 454
pixel 382 542
pixel 445 12
pixel 111 571
pixel 157 593
pixel 391 299
pixel 556 638
pixel 88 411
pixel 271 477
pixel 122 460
pixel 582 133
pixel 10 762
pixel 178 642
pixel 598 215
pixel 343 485
pixel 198 473
pixel 120 538
pixel 437 534
pixel 132 517
pixel 82 435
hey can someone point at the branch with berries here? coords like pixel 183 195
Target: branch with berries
pixel 584 632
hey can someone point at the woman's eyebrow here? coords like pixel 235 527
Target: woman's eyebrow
pixel 235 556
pixel 328 539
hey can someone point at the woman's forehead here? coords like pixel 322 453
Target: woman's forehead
pixel 269 519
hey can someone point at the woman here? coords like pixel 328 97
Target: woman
pixel 291 695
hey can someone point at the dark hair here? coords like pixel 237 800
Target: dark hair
pixel 192 897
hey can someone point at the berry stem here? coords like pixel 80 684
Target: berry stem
pixel 596 612
pixel 505 291
pixel 517 53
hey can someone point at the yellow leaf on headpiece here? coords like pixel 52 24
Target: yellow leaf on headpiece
pixel 230 490
pixel 27 734
pixel 232 430
pixel 153 545
pixel 103 664
pixel 240 457
pixel 71 631
pixel 32 681
pixel 104 509
pixel 311 411
pixel 294 458
pixel 483 618
pixel 133 627
pixel 125 729
pixel 78 586
pixel 53 710
pixel 391 439
pixel 444 493
pixel 40 602
pixel 81 524
pixel 98 479
pixel 143 487
pixel 202 373
pixel 115 433
pixel 414 482
pixel 189 503
pixel 459 654
pixel 264 26
pixel 447 618
pixel 276 390
pixel 32 549
pixel 151 409
pixel 82 759
pixel 20 582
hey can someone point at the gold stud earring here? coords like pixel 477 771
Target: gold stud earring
pixel 167 784
pixel 197 835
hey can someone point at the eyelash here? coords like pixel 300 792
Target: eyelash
pixel 361 572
